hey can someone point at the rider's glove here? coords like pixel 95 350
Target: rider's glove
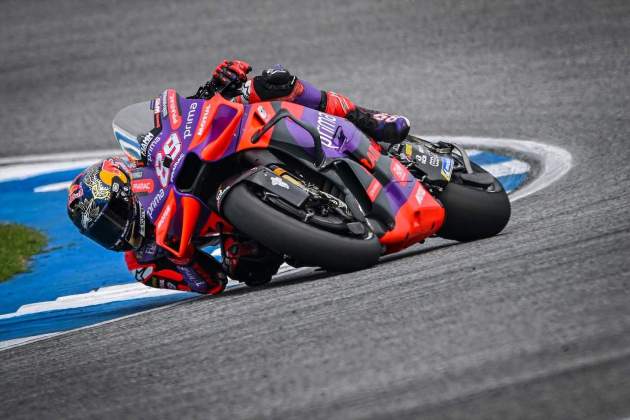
pixel 202 273
pixel 274 83
pixel 229 76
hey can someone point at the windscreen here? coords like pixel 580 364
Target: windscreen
pixel 129 123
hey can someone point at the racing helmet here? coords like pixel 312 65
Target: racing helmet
pixel 102 206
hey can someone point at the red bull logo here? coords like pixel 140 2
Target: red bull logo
pixel 109 170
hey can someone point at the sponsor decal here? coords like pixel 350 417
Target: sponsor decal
pixel 408 150
pixel 136 174
pixel 170 150
pixel 327 126
pixel 163 100
pixel 89 214
pixel 262 113
pixel 166 213
pixel 143 274
pixel 388 118
pixel 175 166
pixel 422 159
pixel 109 170
pixel 189 120
pixel 155 202
pixel 420 193
pixel 161 170
pixel 372 156
pixel 341 100
pixel 149 251
pixel 142 219
pixel 278 182
pixel 157 104
pixel 399 171
pixel 374 188
pixel 203 124
pixel 173 109
pixel 192 276
pixel 274 70
pixel 99 190
pixel 149 154
pixel 222 190
pixel 447 167
pixel 145 140
pixel 246 90
pixel 434 160
pixel 142 186
pixel 76 192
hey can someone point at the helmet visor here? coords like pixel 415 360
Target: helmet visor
pixel 113 225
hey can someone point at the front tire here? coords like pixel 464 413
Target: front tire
pixel 286 235
pixel 473 212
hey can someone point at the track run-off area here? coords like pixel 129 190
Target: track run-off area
pixel 53 297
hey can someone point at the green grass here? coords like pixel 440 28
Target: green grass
pixel 17 244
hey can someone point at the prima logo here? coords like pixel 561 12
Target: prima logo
pixel 155 202
pixel 326 126
pixel 189 120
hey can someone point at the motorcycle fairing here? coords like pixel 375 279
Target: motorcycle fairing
pixel 216 129
pixel 395 194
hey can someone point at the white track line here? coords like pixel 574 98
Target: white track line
pixel 57 186
pixel 56 157
pixel 16 342
pixel 107 294
pixel 555 162
pixel 100 296
pixel 27 170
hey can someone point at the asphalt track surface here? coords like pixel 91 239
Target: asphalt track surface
pixel 534 323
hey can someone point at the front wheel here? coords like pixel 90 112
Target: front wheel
pixel 289 236
pixel 476 206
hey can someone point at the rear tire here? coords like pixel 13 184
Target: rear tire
pixel 472 212
pixel 286 235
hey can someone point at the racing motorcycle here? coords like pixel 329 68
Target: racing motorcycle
pixel 308 185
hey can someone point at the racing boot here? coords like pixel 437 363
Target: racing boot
pixel 380 126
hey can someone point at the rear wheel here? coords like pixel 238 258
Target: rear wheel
pixel 476 206
pixel 303 242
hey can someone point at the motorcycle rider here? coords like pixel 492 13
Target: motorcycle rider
pixel 103 207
